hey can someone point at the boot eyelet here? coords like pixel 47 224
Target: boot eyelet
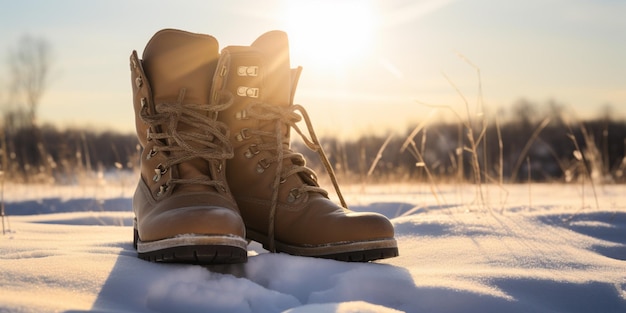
pixel 251 152
pixel 249 92
pixel 163 189
pixel 151 154
pixel 159 171
pixel 294 194
pixel 241 115
pixel 243 135
pixel 143 111
pixel 248 70
pixel 262 165
pixel 241 71
pixel 138 81
pixel 283 180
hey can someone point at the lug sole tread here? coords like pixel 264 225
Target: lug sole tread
pixel 355 251
pixel 213 254
pixel 193 250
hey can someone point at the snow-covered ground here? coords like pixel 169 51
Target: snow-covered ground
pixel 522 248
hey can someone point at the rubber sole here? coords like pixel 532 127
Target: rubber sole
pixel 359 251
pixel 193 249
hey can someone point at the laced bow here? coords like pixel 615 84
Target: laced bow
pixel 204 137
pixel 290 116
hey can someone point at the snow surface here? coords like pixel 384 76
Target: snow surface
pixel 522 248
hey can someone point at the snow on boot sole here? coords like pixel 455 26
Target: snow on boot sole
pixel 194 249
pixel 360 251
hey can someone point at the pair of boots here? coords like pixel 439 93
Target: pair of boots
pixel 216 166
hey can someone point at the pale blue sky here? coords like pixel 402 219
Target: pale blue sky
pixel 572 51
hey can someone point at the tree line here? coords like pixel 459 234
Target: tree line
pixel 546 151
pixel 69 154
pixel 513 151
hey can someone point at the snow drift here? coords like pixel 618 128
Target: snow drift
pixel 527 248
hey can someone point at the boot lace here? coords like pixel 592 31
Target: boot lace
pixel 206 138
pixel 289 116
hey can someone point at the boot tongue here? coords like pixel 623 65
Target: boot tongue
pixel 279 85
pixel 176 59
pixel 277 80
pixel 274 46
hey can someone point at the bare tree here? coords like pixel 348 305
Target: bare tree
pixel 524 113
pixel 29 65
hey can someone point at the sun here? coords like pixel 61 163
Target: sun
pixel 330 33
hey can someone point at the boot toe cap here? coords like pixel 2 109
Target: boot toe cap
pixel 197 220
pixel 327 223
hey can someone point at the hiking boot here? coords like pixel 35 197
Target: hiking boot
pixel 279 198
pixel 184 210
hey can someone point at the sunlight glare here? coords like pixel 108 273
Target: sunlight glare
pixel 330 33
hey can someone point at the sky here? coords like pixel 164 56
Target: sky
pixel 369 66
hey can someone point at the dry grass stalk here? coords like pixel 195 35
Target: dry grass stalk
pixel 379 155
pixel 2 178
pixel 580 156
pixel 527 147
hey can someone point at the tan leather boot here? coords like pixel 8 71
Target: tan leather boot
pixel 184 211
pixel 280 200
